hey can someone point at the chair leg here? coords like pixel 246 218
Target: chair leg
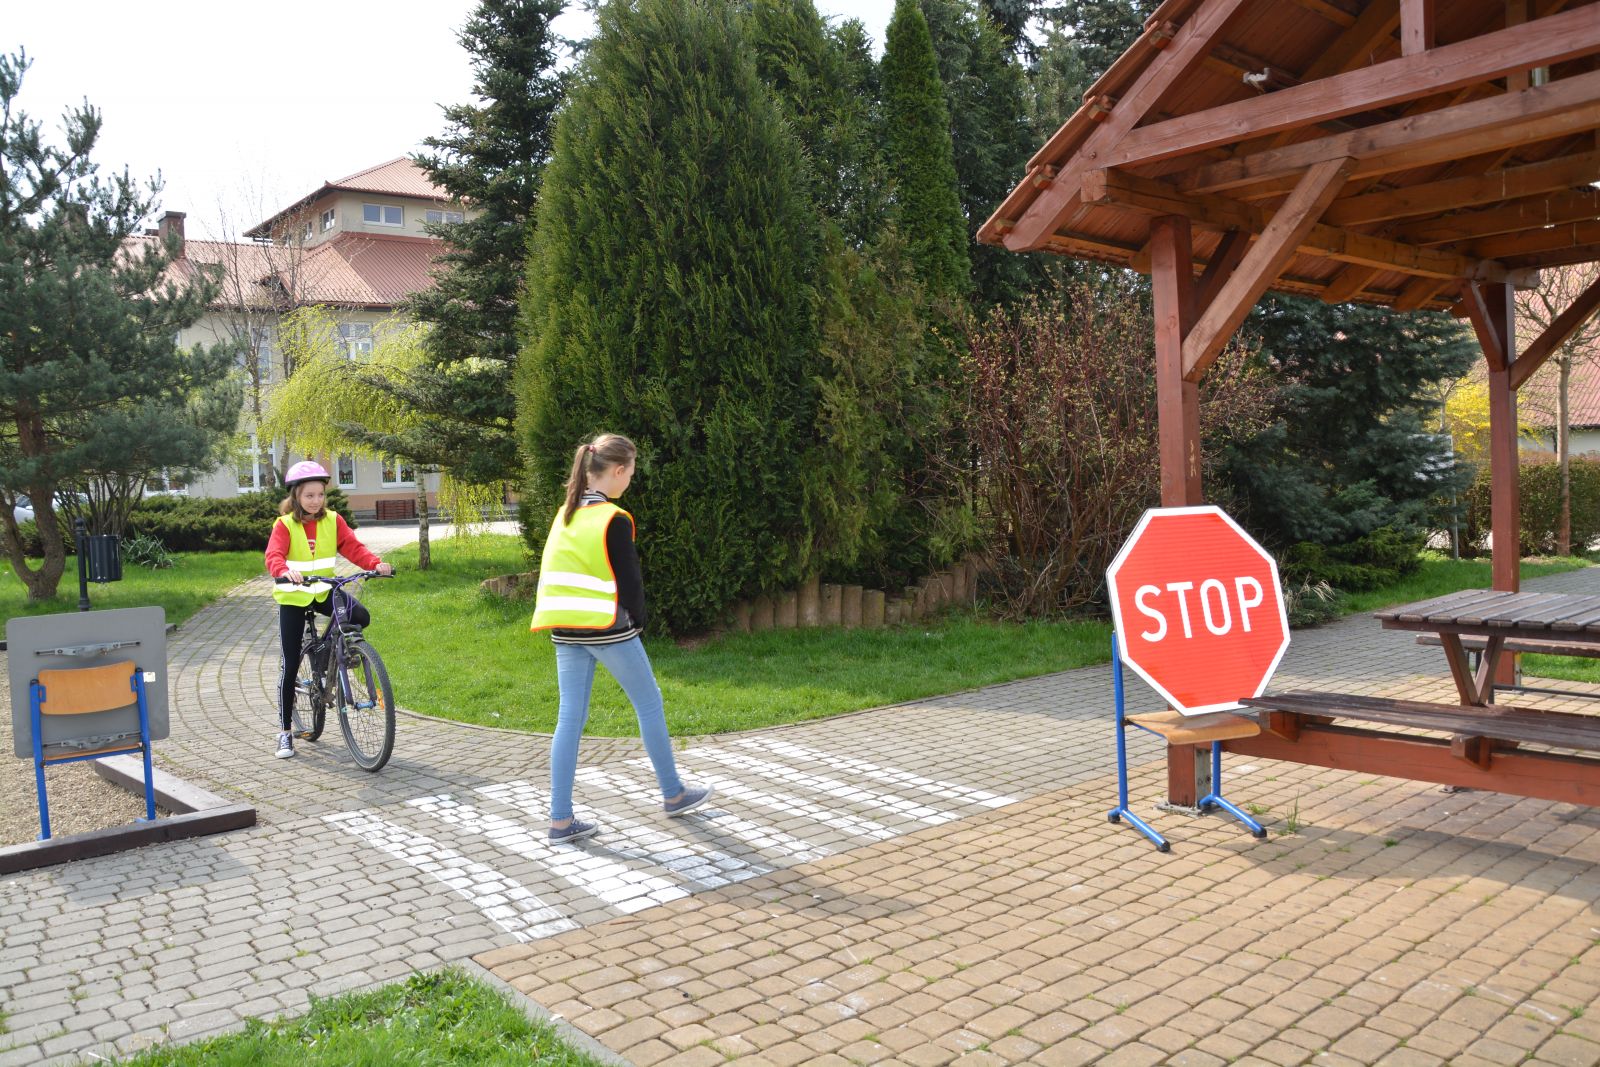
pixel 38 763
pixel 1121 811
pixel 144 742
pixel 1215 799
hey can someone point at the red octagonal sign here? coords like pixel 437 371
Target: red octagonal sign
pixel 1198 609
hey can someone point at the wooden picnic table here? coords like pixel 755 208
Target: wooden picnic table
pixel 1501 622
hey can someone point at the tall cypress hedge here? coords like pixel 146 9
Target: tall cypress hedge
pixel 921 156
pixel 670 299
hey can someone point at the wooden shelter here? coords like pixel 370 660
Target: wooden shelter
pixel 1417 154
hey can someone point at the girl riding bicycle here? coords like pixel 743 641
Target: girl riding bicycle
pixel 304 527
pixel 591 599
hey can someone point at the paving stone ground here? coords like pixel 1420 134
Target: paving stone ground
pixel 925 884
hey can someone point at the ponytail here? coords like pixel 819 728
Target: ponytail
pixel 606 450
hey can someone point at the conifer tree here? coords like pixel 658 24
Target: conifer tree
pixel 490 157
pixel 669 299
pixel 93 385
pixel 920 155
pixel 990 136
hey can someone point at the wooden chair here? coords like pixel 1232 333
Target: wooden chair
pixel 1176 728
pixel 80 691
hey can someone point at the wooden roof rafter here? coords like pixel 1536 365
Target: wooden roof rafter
pixel 1414 217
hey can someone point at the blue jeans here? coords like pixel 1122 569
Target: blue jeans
pixel 628 664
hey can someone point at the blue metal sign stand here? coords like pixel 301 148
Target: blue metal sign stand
pixel 1213 799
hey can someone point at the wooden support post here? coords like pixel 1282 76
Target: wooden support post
pixel 1177 400
pixel 1178 428
pixel 1493 315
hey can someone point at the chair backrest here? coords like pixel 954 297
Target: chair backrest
pixel 79 690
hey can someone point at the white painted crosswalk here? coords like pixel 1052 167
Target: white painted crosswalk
pixel 777 804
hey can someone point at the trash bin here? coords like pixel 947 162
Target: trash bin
pixel 104 556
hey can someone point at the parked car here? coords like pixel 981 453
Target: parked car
pixel 23 511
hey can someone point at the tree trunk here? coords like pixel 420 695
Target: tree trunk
pixel 1563 450
pixel 424 554
pixel 41 583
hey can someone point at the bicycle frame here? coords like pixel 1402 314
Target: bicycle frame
pixel 338 617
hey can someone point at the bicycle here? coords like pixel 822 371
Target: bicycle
pixel 338 666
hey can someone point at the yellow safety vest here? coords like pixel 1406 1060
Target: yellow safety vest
pixel 301 559
pixel 577 586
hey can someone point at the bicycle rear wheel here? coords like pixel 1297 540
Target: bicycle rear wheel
pixel 310 710
pixel 366 707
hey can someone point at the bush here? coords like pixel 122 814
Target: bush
pixel 1539 479
pixel 1383 557
pixel 33 546
pixel 220 524
pixel 1059 408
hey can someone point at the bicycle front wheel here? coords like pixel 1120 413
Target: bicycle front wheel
pixel 366 707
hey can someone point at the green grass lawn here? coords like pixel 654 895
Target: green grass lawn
pixel 1441 575
pixel 194 580
pixel 440 1018
pixel 458 653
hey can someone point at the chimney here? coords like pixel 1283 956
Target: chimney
pixel 172 222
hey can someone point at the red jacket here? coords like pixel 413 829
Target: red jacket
pixel 348 546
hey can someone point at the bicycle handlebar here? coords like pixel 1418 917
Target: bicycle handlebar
pixel 335 580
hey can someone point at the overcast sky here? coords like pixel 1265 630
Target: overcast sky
pixel 243 108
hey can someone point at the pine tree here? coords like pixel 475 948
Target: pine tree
pixel 1102 29
pixel 920 154
pixel 1349 453
pixel 94 389
pixel 490 157
pixel 669 299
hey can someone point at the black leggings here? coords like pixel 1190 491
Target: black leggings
pixel 292 631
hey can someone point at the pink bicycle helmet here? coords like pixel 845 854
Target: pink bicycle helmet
pixel 307 470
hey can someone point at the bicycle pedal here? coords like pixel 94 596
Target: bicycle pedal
pixel 305 735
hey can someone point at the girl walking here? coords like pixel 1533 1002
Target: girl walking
pixel 591 599
pixel 305 539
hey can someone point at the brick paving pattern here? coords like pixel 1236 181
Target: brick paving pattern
pixel 925 884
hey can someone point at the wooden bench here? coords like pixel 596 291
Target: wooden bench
pixel 1536 646
pixel 405 508
pixel 1482 748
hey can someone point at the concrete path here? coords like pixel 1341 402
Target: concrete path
pixel 923 884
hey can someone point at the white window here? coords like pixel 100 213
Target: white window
pixel 306 233
pixel 383 214
pixel 164 482
pixel 446 216
pixel 259 469
pixel 356 337
pixel 344 468
pixel 397 472
pixel 328 218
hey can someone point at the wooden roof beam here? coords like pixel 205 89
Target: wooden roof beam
pixel 1556 334
pixel 1538 114
pixel 1055 205
pixel 1484 324
pixel 1567 172
pixel 1530 213
pixel 1268 256
pixel 1221 213
pixel 1534 44
pixel 1349 283
pixel 1549 239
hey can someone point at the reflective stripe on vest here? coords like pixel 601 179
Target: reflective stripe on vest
pixel 301 559
pixel 577 587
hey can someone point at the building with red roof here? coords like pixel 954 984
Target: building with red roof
pixel 358 246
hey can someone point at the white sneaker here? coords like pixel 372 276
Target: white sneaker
pixel 285 745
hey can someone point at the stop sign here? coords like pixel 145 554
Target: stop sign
pixel 1197 607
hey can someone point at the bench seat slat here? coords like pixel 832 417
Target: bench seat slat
pixel 1557 729
pixel 1543 646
